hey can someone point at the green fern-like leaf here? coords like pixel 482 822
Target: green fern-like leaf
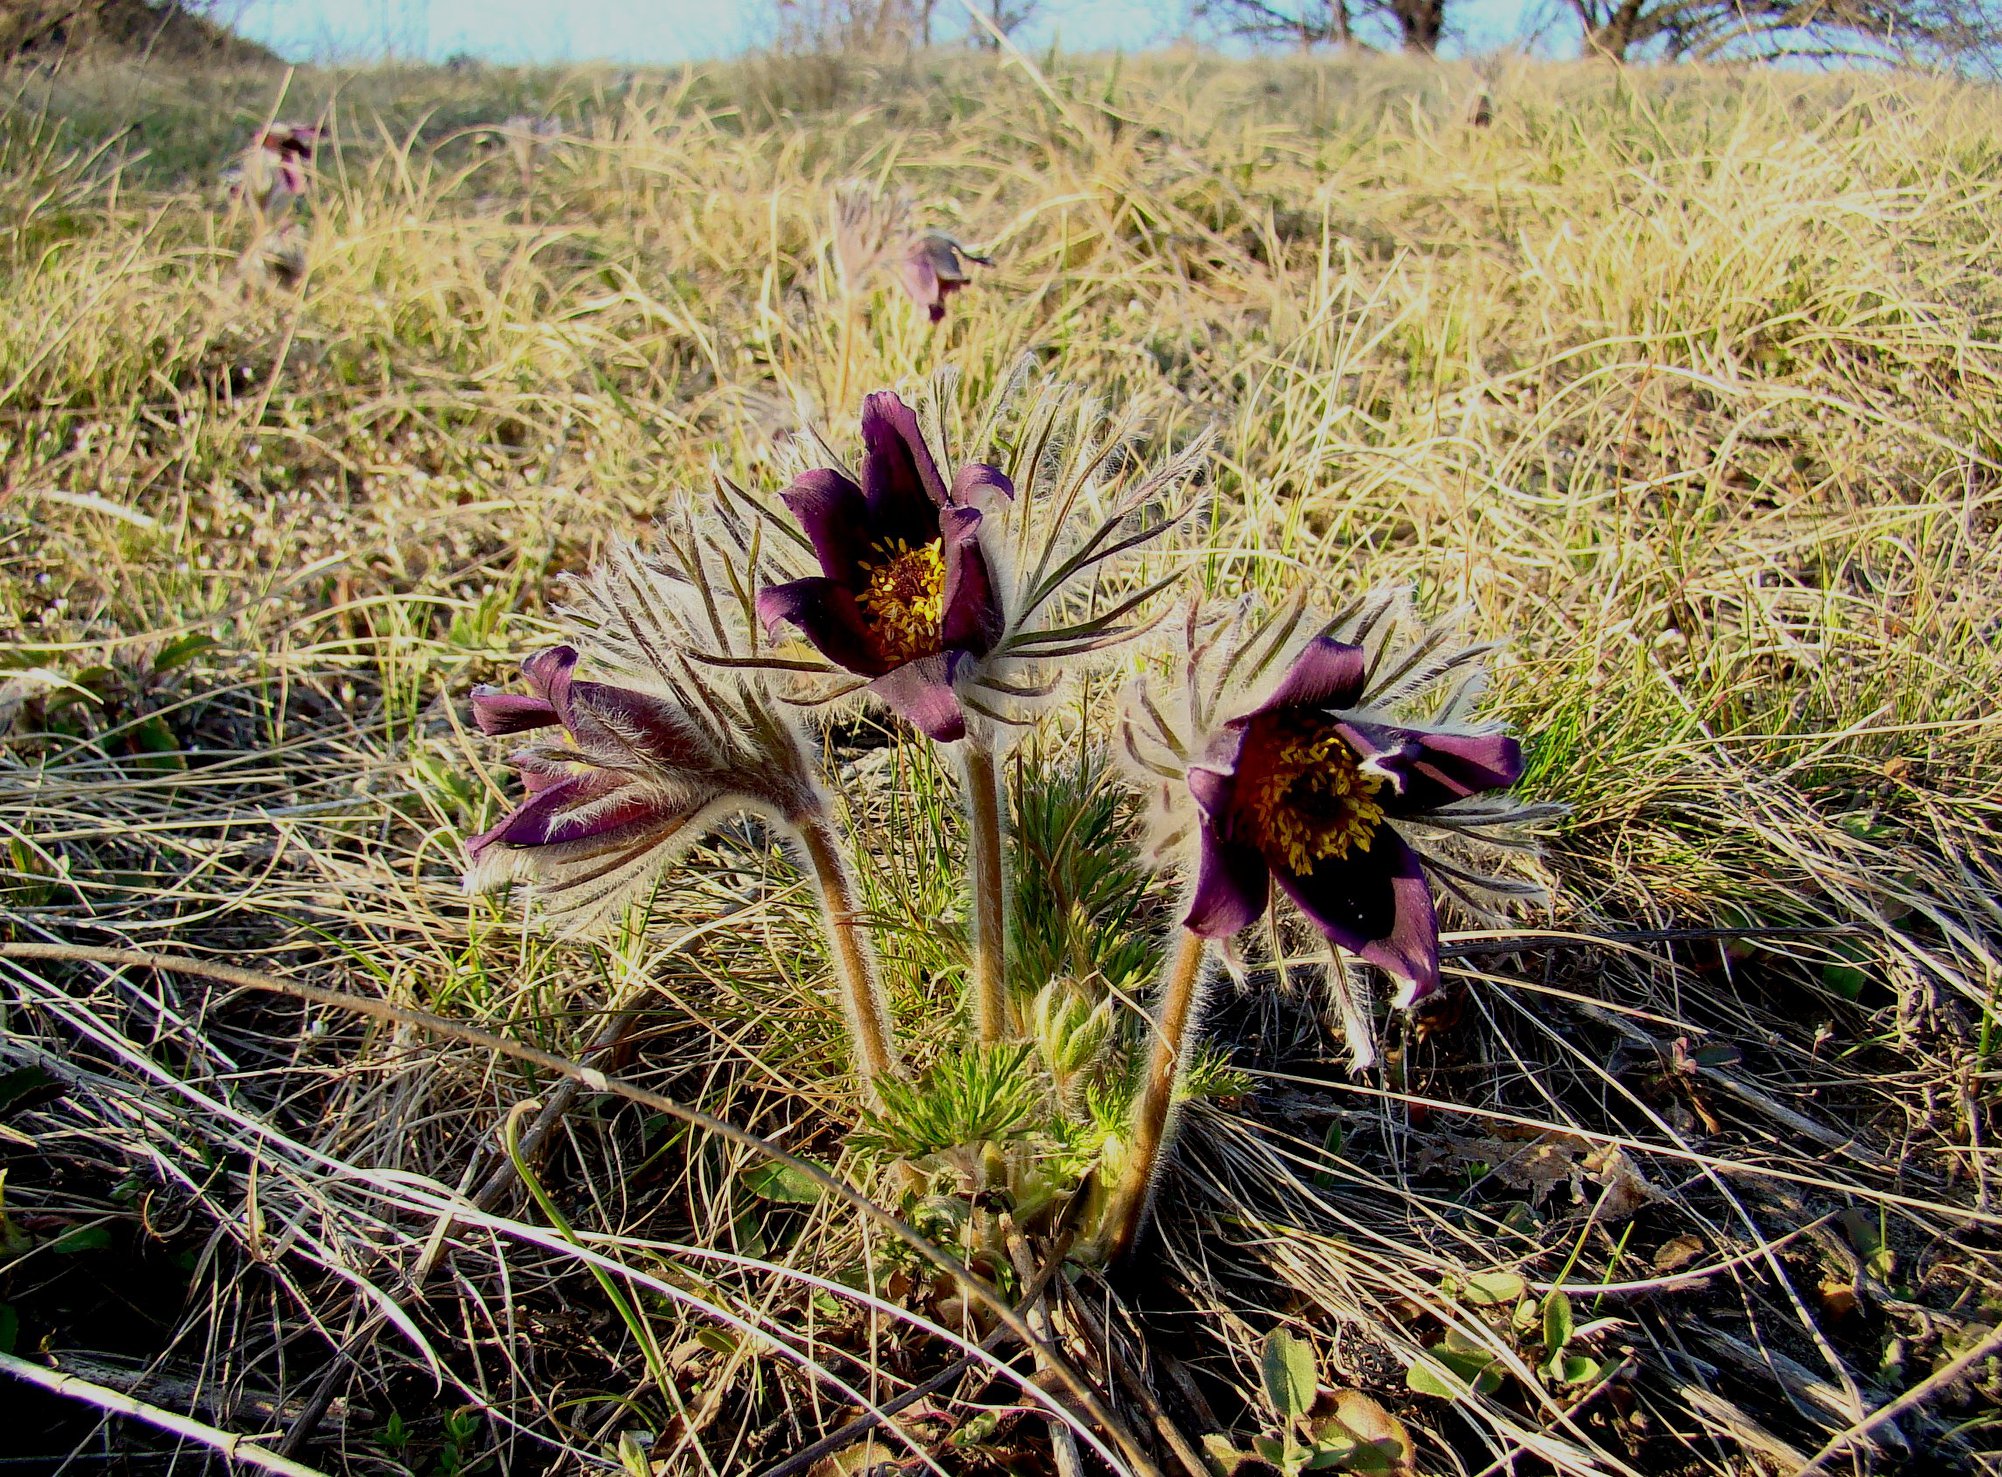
pixel 1080 893
pixel 977 1094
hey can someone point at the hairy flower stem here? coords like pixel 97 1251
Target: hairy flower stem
pixel 1175 1015
pixel 861 994
pixel 990 980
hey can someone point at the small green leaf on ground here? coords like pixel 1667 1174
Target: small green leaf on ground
pixel 182 650
pixel 1224 1458
pixel 781 1182
pixel 1867 1236
pixel 1578 1369
pixel 1557 1324
pixel 156 745
pixel 1291 1375
pixel 84 1238
pixel 1450 1374
pixel 1494 1289
pixel 24 1087
pixel 1331 1454
pixel 1847 973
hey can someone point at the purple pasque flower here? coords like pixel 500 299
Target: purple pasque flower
pixel 873 230
pixel 272 173
pixel 625 783
pixel 1307 789
pixel 933 268
pixel 905 597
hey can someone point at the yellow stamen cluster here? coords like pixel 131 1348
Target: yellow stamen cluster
pixel 903 599
pixel 1304 793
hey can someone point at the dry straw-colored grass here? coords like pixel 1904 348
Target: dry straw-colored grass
pixel 1686 384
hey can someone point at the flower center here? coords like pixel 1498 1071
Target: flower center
pixel 903 599
pixel 1302 792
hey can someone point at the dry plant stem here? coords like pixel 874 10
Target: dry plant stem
pixel 861 995
pixel 504 1177
pixel 1063 1447
pixel 850 310
pixel 1938 1380
pixel 990 965
pixel 1078 1387
pixel 235 1448
pixel 805 1458
pixel 1181 988
pixel 1095 1332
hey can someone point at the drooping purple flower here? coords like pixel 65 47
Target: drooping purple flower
pixel 626 782
pixel 933 268
pixel 873 231
pixel 272 173
pixel 1306 789
pixel 905 596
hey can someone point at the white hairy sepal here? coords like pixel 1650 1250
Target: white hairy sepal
pixel 579 888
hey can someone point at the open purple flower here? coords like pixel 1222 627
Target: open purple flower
pixel 933 268
pixel 905 597
pixel 629 782
pixel 1306 789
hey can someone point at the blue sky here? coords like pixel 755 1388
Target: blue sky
pixel 556 31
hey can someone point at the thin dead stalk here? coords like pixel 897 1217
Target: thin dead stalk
pixel 115 1402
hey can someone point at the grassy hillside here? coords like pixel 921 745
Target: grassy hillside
pixel 1684 385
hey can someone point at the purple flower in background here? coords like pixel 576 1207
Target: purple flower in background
pixel 873 231
pixel 904 597
pixel 934 268
pixel 628 780
pixel 272 173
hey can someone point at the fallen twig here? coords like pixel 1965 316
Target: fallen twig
pixel 236 1448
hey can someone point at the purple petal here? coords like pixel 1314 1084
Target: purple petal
pixel 634 723
pixel 1385 751
pixel 899 478
pixel 921 691
pixel 1212 791
pixel 530 823
pixel 548 672
pixel 497 712
pixel 920 280
pixel 948 258
pixel 1326 674
pixel 831 510
pixel 1428 770
pixel 1375 904
pixel 1452 766
pixel 541 769
pixel 972 620
pixel 977 485
pixel 293 138
pixel 827 616
pixel 1233 886
pixel 552 818
pixel 1214 778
